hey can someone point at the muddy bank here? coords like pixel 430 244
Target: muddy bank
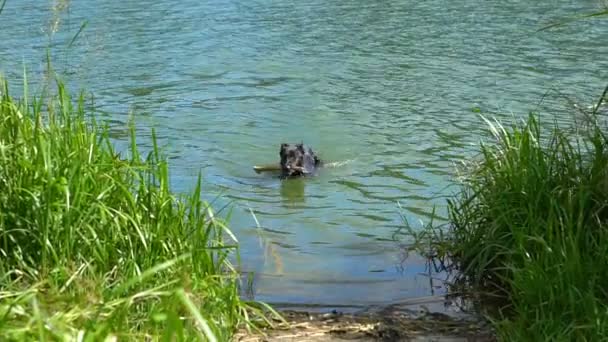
pixel 386 324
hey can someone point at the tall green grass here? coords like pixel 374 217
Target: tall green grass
pixel 529 228
pixel 94 244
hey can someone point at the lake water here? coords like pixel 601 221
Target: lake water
pixel 385 87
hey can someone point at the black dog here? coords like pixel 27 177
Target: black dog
pixel 297 160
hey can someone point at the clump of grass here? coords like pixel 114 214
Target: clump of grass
pixel 94 244
pixel 530 227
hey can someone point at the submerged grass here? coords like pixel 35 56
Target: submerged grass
pixel 94 244
pixel 529 227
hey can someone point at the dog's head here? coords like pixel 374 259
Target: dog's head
pixel 297 160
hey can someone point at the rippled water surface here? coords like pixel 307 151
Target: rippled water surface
pixel 385 87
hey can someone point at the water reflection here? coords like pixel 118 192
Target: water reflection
pixel 293 192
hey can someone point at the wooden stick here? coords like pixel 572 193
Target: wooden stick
pixel 267 167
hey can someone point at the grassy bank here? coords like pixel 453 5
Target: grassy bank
pixel 94 244
pixel 529 228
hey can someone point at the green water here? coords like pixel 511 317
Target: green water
pixel 386 87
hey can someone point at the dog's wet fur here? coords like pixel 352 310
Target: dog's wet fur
pixel 298 160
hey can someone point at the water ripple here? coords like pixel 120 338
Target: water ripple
pixel 383 91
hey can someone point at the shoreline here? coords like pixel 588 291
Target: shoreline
pixel 389 323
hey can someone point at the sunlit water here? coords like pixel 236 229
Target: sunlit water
pixel 384 87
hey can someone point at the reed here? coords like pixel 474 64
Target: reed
pixel 529 229
pixel 94 244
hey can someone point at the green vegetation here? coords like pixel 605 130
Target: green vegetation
pixel 94 245
pixel 529 229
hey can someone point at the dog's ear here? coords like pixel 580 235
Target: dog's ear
pixel 283 148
